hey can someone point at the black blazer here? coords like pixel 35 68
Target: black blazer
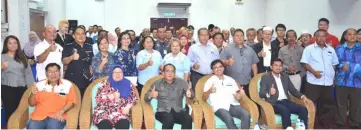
pixel 266 84
pixel 59 40
pixel 258 48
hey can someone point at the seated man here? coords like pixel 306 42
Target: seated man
pixel 169 92
pixel 52 98
pixel 223 93
pixel 275 87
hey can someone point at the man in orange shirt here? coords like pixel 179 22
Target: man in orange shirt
pixel 332 40
pixel 52 98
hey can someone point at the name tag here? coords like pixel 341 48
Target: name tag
pixel 165 51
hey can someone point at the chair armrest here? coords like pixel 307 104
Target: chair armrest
pixel 310 108
pixel 208 115
pixel 267 113
pixel 251 107
pixel 197 114
pixel 72 117
pixel 19 118
pixel 137 116
pixel 148 115
pixel 85 119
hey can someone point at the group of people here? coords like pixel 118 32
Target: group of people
pixel 309 67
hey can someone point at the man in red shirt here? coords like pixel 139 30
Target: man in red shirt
pixel 332 40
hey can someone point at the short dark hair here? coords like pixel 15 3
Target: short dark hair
pixel 324 20
pixel 169 64
pixel 218 33
pixel 142 42
pixel 277 60
pixel 259 30
pixel 116 29
pixel 210 26
pixel 291 30
pixel 358 30
pixel 202 29
pixel 52 65
pixel 238 30
pixel 82 26
pixel 215 62
pixel 99 40
pixel 320 30
pixel 280 25
pixel 100 31
pixel 78 27
pixel 190 27
pixel 250 29
pixel 95 25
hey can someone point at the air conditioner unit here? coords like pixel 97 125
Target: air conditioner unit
pixel 174 3
pixel 239 1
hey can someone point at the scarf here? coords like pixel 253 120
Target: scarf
pixel 123 86
pixel 29 46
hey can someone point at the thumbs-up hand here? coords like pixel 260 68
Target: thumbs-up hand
pixel 154 94
pixel 52 47
pixel 189 91
pixel 4 64
pixel 75 55
pixel 196 66
pixel 150 62
pixel 231 61
pixel 104 60
pixel 262 53
pixel 272 90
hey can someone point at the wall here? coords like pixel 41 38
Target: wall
pixel 129 14
pixel 304 15
pixel 55 12
pixel 18 18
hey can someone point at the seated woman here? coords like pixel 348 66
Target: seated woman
pixel 114 100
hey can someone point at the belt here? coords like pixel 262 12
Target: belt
pixel 294 73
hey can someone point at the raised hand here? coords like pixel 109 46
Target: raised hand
pixel 104 59
pixel 150 62
pixel 196 66
pixel 231 61
pixel 318 74
pixel 189 91
pixel 34 90
pixel 154 94
pixel 4 64
pixel 52 47
pixel 272 90
pixel 345 67
pixel 75 55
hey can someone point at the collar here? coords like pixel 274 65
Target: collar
pixel 356 45
pixel 59 82
pixel 275 76
pixel 316 45
pixel 173 82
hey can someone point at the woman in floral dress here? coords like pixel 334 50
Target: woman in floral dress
pixel 125 56
pixel 114 100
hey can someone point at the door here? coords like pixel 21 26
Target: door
pixel 37 24
pixel 168 22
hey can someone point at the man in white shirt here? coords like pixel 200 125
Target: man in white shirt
pixel 224 94
pixel 47 52
pixel 275 88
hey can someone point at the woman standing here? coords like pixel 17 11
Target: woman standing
pixel 125 56
pixel 16 74
pixel 348 81
pixel 102 61
pixel 185 44
pixel 148 62
pixel 29 50
pixel 114 100
pixel 178 59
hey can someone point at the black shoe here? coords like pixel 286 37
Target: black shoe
pixel 337 126
pixel 355 127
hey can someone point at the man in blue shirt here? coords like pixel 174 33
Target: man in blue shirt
pixel 201 55
pixel 162 45
pixel 320 60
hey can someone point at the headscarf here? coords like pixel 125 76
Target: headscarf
pixel 123 86
pixel 29 46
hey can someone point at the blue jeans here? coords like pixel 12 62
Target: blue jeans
pixel 285 108
pixel 47 123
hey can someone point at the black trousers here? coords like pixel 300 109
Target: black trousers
pixel 81 82
pixel 169 118
pixel 285 108
pixel 322 97
pixel 344 95
pixel 11 97
pixel 139 88
pixel 106 124
pixel 246 89
pixel 195 76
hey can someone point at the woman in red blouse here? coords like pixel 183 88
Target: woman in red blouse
pixel 114 100
pixel 185 44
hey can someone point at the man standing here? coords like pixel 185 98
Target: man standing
pixel 238 59
pixel 118 31
pixel 169 91
pixel 320 60
pixel 90 31
pixel 280 41
pixel 291 56
pixel 224 94
pixel 305 39
pixel 201 54
pixel 47 51
pixel 162 45
pixel 226 34
pixel 331 40
pixel 168 35
pixel 77 56
pixel 275 88
pixel 259 35
pixel 265 51
pixel 251 36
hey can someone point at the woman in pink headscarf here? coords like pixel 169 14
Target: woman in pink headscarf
pixel 29 50
pixel 113 42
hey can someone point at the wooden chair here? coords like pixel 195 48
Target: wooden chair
pixel 87 108
pixel 213 121
pixel 20 117
pixel 268 117
pixel 149 109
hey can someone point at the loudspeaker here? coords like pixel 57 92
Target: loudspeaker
pixel 73 24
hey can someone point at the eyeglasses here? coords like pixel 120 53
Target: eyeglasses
pixel 52 72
